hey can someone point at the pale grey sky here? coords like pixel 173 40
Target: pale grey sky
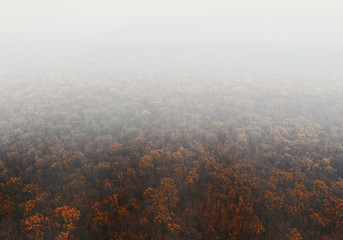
pixel 186 8
pixel 274 20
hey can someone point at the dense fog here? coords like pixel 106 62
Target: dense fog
pixel 184 120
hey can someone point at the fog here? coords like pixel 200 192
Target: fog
pixel 53 31
pixel 41 32
pixel 136 21
pixel 171 120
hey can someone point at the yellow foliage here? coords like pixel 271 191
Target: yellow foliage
pixel 29 205
pixel 36 225
pixel 293 234
pixel 122 212
pixel 100 220
pixel 115 147
pixel 113 201
pixel 62 236
pixel 190 180
pixel 70 216
pixel 146 161
pixel 173 227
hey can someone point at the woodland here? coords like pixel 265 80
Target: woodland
pixel 222 144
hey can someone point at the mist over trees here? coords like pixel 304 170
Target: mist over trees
pixel 181 141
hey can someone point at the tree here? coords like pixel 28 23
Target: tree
pixel 36 226
pixel 66 219
pixel 164 200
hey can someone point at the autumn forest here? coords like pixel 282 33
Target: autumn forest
pixel 172 142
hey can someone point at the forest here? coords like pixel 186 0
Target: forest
pixel 177 142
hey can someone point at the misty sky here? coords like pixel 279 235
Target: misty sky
pixel 177 20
